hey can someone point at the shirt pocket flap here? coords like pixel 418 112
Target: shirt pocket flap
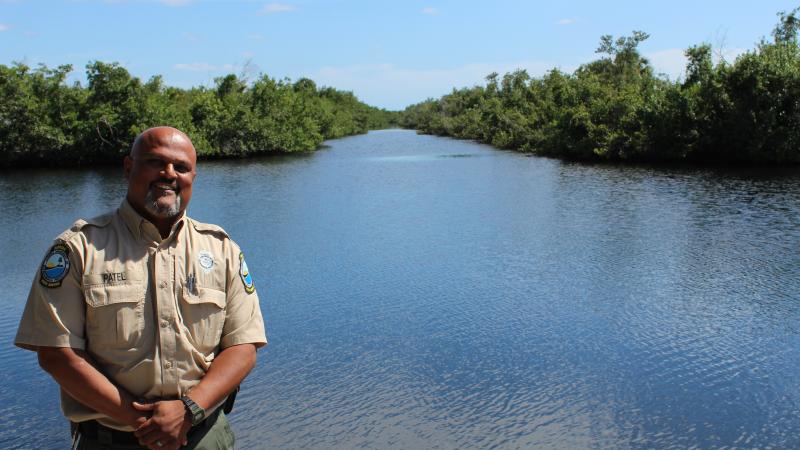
pixel 205 295
pixel 107 295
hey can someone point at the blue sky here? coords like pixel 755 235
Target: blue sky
pixel 389 53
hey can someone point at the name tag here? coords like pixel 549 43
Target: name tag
pixel 113 277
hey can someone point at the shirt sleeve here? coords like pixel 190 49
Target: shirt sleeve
pixel 55 311
pixel 243 321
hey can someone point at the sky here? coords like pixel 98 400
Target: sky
pixel 390 54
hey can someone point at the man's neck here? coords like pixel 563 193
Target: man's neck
pixel 163 224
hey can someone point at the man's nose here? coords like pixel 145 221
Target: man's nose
pixel 169 170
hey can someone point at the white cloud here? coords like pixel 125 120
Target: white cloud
pixel 4 27
pixel 566 21
pixel 273 8
pixel 430 11
pixel 369 82
pixel 205 67
pixel 672 61
pixel 165 2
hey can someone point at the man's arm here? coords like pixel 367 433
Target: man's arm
pixel 170 421
pixel 77 374
pixel 227 371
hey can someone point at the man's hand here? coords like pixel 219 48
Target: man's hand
pixel 166 428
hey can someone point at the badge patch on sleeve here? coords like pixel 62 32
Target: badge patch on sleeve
pixel 55 266
pixel 249 287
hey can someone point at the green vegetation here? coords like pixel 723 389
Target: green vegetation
pixel 616 108
pixel 45 122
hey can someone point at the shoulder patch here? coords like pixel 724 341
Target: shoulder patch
pixel 55 266
pixel 208 228
pixel 244 273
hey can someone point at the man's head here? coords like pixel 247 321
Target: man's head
pixel 160 171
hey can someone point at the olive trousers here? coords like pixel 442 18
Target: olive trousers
pixel 218 436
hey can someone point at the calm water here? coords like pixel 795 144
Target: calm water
pixel 422 292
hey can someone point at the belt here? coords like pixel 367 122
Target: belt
pixel 94 430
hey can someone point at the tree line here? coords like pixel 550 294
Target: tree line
pixel 44 121
pixel 615 108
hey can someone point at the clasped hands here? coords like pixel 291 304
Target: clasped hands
pixel 165 428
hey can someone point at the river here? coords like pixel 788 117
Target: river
pixel 423 292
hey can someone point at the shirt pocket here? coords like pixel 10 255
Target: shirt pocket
pixel 114 313
pixel 203 314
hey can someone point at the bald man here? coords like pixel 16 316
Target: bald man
pixel 147 319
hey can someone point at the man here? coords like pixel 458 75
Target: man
pixel 147 319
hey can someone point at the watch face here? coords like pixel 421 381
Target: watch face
pixel 197 416
pixel 197 413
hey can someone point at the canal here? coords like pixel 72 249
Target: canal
pixel 423 292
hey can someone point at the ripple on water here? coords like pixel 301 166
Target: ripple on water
pixel 428 293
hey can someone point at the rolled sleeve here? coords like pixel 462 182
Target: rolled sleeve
pixel 54 316
pixel 244 323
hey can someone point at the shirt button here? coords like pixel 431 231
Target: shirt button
pixel 163 284
pixel 164 324
pixel 167 364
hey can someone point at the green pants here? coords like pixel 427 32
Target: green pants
pixel 218 437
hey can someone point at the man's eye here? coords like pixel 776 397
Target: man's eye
pixel 180 168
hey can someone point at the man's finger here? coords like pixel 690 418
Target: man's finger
pixel 144 406
pixel 145 428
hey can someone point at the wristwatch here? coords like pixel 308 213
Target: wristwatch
pixel 196 413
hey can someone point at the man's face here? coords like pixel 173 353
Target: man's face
pixel 160 177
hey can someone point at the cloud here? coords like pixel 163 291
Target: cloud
pixel 672 61
pixel 4 27
pixel 369 81
pixel 430 11
pixel 165 2
pixel 566 21
pixel 256 37
pixel 273 8
pixel 204 67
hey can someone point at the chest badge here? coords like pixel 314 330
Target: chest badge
pixel 244 272
pixel 55 266
pixel 206 260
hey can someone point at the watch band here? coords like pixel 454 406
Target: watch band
pixel 196 413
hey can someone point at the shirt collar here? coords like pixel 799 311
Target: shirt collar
pixel 141 227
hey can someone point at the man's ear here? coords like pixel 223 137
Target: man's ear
pixel 127 165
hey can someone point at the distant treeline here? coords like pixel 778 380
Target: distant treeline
pixel 46 122
pixel 616 108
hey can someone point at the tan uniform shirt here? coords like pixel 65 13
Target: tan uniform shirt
pixel 152 312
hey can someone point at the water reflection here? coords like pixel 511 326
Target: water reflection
pixel 429 293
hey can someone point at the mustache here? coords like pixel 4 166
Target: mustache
pixel 162 182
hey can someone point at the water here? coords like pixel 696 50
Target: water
pixel 422 292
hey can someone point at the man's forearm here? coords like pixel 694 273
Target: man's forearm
pixel 76 373
pixel 228 370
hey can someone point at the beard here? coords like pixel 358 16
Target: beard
pixel 161 211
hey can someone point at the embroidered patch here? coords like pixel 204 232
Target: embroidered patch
pixel 206 260
pixel 55 266
pixel 249 287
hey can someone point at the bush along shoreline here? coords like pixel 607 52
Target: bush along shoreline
pixel 616 109
pixel 45 122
